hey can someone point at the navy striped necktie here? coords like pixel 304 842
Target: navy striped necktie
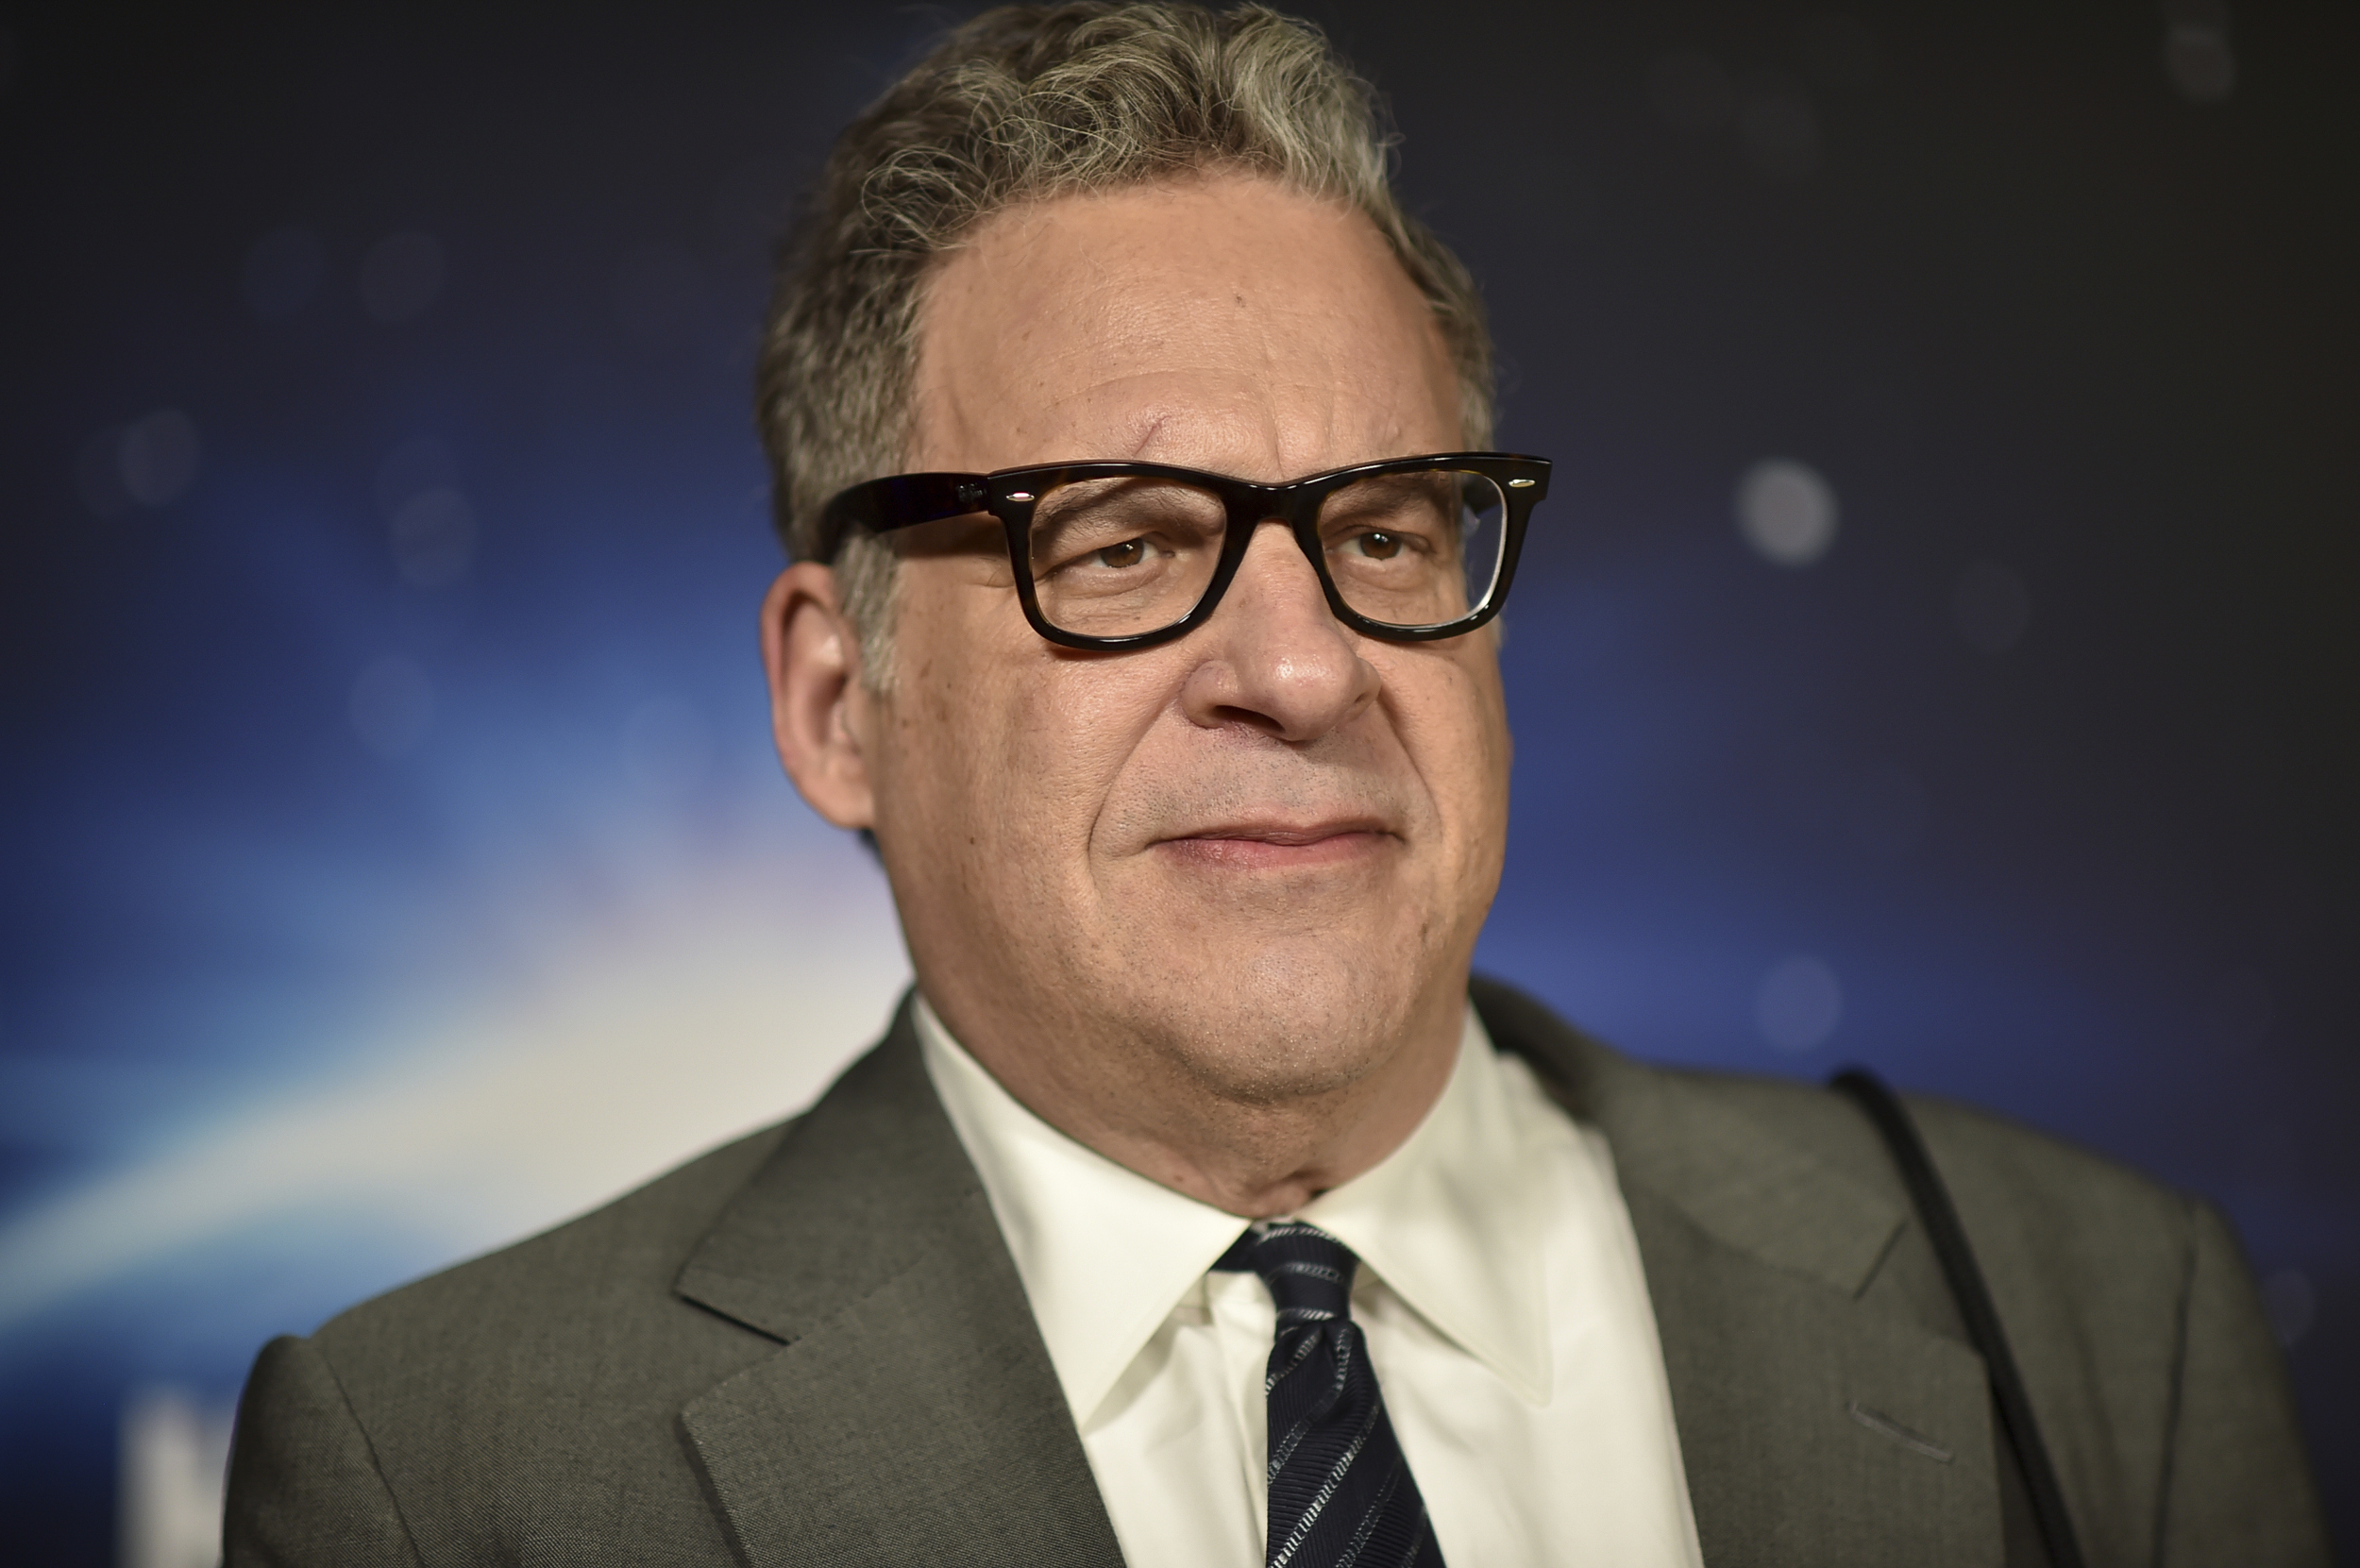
pixel 1340 1493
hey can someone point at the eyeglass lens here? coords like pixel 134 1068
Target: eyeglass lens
pixel 1118 557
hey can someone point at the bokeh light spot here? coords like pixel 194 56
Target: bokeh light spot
pixel 434 538
pixel 1991 607
pixel 282 272
pixel 157 457
pixel 1786 511
pixel 392 707
pixel 1778 127
pixel 419 463
pixel 1799 1004
pixel 2198 61
pixel 401 277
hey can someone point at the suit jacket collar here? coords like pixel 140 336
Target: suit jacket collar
pixel 912 1413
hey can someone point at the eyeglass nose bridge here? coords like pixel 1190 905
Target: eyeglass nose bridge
pixel 1249 511
pixel 1295 509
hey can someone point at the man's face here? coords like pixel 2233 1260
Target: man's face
pixel 1259 854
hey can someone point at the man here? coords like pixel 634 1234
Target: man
pixel 1127 438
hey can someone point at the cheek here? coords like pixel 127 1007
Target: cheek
pixel 1453 718
pixel 1019 748
pixel 1090 720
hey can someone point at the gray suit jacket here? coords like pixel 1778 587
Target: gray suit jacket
pixel 811 1347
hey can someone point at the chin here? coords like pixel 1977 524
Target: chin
pixel 1278 1025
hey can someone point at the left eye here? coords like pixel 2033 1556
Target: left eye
pixel 1377 545
pixel 1129 553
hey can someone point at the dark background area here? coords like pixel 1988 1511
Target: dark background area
pixel 374 430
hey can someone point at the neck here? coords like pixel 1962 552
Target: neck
pixel 1247 1147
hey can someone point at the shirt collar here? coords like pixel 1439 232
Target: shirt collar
pixel 1451 1223
pixel 1105 1253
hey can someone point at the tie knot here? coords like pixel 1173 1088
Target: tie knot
pixel 1309 1272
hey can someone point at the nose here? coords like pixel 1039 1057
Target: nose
pixel 1274 656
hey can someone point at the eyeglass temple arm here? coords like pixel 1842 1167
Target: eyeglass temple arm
pixel 903 500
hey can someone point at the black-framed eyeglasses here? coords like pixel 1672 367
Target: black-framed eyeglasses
pixel 1116 555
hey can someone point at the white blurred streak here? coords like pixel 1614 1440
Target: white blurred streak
pixel 175 1462
pixel 711 1007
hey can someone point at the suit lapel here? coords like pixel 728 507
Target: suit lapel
pixel 1820 1423
pixel 912 1413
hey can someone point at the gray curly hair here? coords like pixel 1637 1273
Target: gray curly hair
pixel 1021 104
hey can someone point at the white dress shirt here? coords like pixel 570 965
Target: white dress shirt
pixel 1500 1292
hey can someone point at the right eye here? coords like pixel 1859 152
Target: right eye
pixel 1376 544
pixel 1131 552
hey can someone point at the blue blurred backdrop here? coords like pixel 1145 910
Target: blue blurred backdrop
pixel 1936 650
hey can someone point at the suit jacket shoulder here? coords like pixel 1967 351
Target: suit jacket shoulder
pixel 1826 1398
pixel 519 1401
pixel 618 1260
pixel 806 1347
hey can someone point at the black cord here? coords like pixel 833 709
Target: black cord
pixel 1941 1219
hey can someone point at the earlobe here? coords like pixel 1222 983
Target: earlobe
pixel 812 656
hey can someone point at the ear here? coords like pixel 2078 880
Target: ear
pixel 819 712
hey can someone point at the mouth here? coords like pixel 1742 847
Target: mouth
pixel 1263 846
